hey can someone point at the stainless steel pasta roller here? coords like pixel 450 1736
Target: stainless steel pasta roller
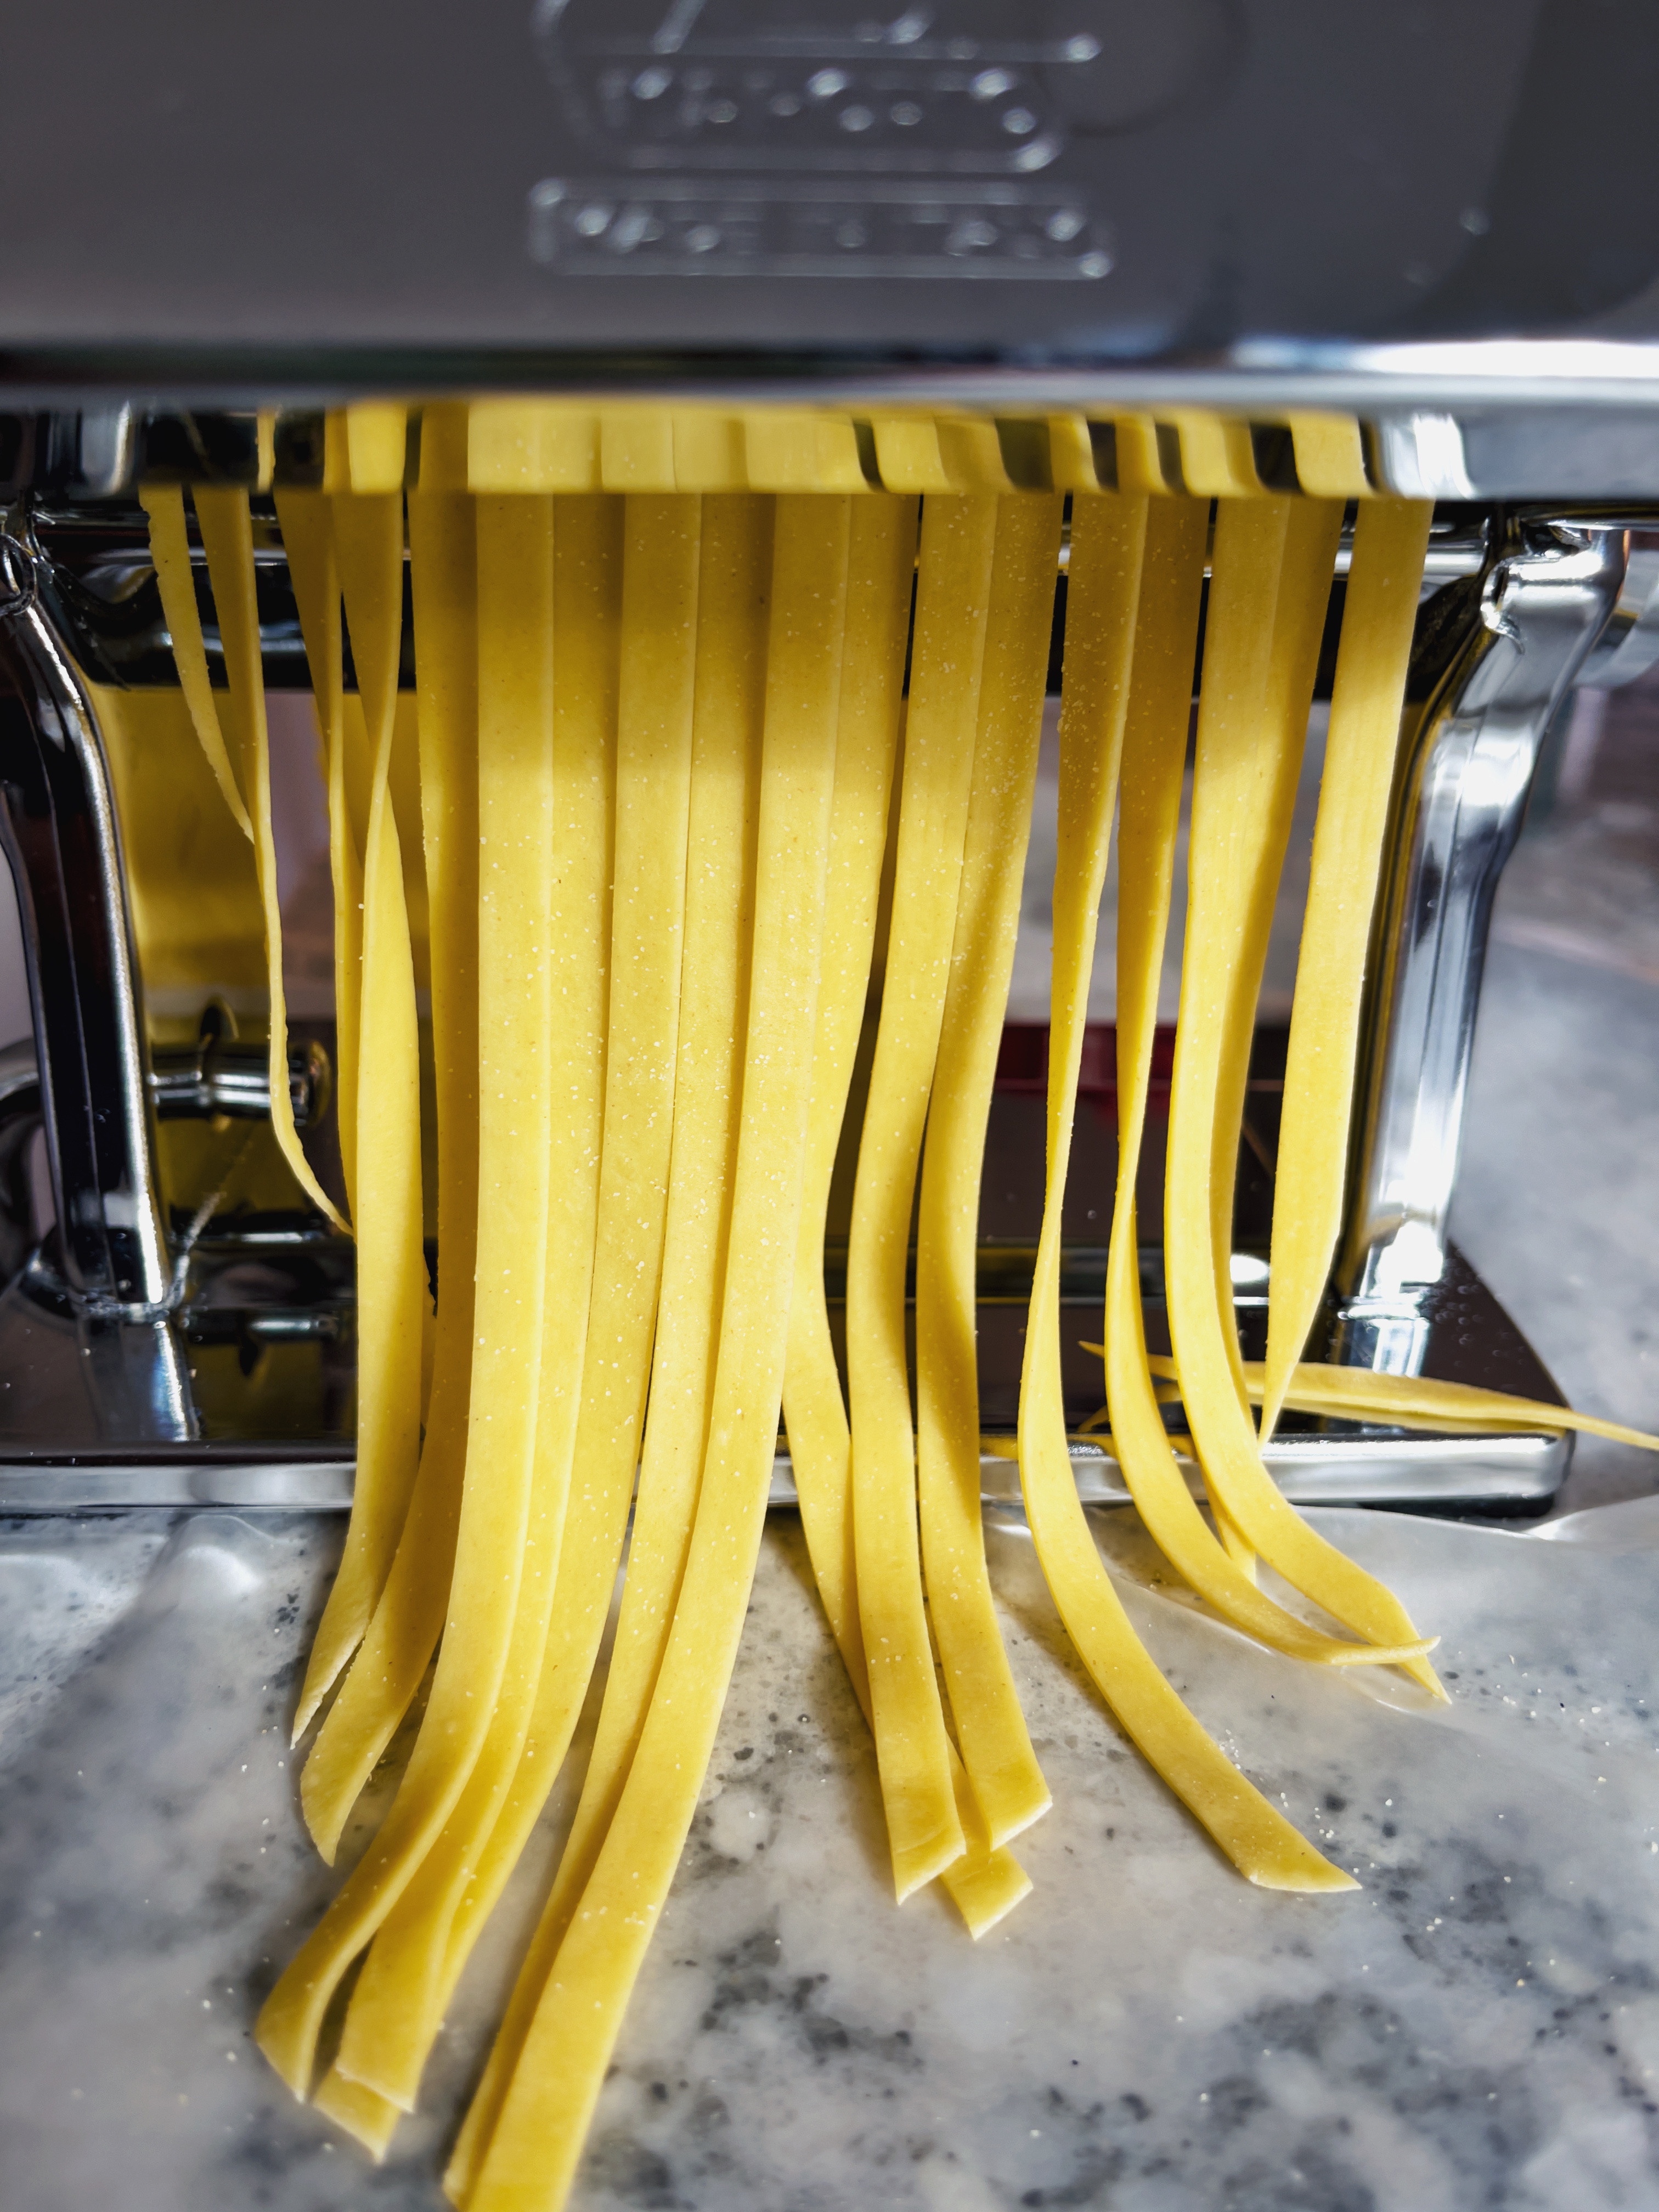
pixel 1081 247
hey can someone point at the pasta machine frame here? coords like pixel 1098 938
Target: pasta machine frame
pixel 1438 222
pixel 104 1320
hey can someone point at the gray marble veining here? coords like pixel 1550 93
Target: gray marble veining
pixel 1478 2026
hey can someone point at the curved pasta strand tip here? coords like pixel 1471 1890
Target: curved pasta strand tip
pixel 1322 1879
pixel 169 543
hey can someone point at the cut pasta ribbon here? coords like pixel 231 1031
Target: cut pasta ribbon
pixel 985 1883
pixel 1154 753
pixel 952 605
pixel 1108 551
pixel 996 1749
pixel 1357 1394
pixel 516 867
pixel 1257 654
pixel 242 768
pixel 537 2136
pixel 393 1301
pixel 1390 540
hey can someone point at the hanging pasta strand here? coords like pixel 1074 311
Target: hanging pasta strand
pixel 1108 550
pixel 733 596
pixel 718 795
pixel 409 1611
pixel 953 588
pixel 1312 528
pixel 169 547
pixel 986 1882
pixel 538 2138
pixel 1154 754
pixel 731 669
pixel 1390 542
pixel 655 729
pixel 881 571
pixel 399 1642
pixel 995 1746
pixel 1237 781
pixel 587 583
pixel 392 1295
pixel 227 540
pixel 1419 1401
pixel 515 628
pixel 439 837
pixel 242 768
pixel 397 2005
pixel 307 526
pixel 655 700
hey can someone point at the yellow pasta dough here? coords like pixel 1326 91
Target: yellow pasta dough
pixel 1154 750
pixel 398 1640
pixel 538 2133
pixel 242 768
pixel 996 1749
pixel 733 591
pixel 515 870
pixel 1240 745
pixel 307 525
pixel 1420 1401
pixel 397 2004
pixel 986 1882
pixel 1390 539
pixel 881 565
pixel 588 611
pixel 393 1296
pixel 952 605
pixel 1108 550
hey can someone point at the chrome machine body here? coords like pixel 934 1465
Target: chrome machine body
pixel 1078 207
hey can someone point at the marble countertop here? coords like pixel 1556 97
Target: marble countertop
pixel 1479 2026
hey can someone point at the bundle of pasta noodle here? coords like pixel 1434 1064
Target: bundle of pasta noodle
pixel 666 738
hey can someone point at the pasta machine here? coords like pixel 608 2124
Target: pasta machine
pixel 1196 243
